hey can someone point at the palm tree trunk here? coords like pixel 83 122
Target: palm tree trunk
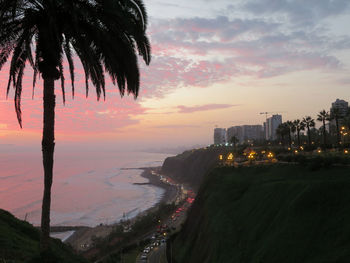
pixel 298 133
pixel 290 138
pixel 48 145
pixel 309 135
pixel 324 133
pixel 338 133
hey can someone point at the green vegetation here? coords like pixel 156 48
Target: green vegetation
pixel 316 161
pixel 19 242
pixel 272 213
pixel 191 166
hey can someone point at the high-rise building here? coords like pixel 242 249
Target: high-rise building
pixel 236 131
pixel 271 126
pixel 342 106
pixel 245 132
pixel 252 132
pixel 219 136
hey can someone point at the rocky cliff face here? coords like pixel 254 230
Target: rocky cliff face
pixel 190 167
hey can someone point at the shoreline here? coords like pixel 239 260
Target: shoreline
pixel 83 235
pixel 170 191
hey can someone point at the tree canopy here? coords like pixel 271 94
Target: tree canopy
pixel 106 36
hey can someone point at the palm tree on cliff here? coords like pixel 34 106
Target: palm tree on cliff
pixel 279 132
pixel 309 123
pixel 234 140
pixel 105 35
pixel 336 116
pixel 291 128
pixel 299 126
pixel 282 130
pixel 323 116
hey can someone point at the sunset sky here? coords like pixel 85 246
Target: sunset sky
pixel 213 63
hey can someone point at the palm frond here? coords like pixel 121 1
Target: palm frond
pixel 69 57
pixel 18 94
pixel 62 82
pixel 106 36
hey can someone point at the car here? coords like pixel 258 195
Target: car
pixel 155 244
pixel 163 241
pixel 146 250
pixel 143 256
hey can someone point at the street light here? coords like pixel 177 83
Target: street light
pixel 230 157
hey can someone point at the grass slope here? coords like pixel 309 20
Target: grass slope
pixel 19 242
pixel 279 213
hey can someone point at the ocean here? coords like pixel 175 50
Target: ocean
pixel 89 187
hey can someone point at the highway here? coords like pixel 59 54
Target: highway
pixel 157 255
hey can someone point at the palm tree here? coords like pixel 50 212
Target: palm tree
pixel 336 116
pixel 346 124
pixel 279 132
pixel 234 140
pixel 299 126
pixel 282 130
pixel 323 116
pixel 105 35
pixel 309 123
pixel 291 128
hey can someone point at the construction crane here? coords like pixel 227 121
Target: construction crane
pixel 270 113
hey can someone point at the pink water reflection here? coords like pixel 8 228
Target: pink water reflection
pixel 89 187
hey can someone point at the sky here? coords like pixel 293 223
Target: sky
pixel 214 63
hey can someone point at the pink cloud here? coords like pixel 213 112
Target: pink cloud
pixel 196 52
pixel 81 115
pixel 206 107
pixel 175 126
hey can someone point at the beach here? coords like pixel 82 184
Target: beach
pixel 170 192
pixel 81 239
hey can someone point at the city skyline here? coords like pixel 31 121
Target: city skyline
pixel 213 64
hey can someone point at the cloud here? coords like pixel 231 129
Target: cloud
pixel 207 107
pixel 200 52
pixel 298 12
pixel 226 48
pixel 180 126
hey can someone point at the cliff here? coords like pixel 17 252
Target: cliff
pixel 277 213
pixel 190 167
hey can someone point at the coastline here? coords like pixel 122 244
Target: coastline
pixel 170 191
pixel 83 236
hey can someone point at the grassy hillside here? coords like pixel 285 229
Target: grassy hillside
pixel 280 213
pixel 19 242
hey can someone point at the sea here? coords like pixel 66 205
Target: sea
pixel 90 187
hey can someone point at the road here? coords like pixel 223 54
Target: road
pixel 157 255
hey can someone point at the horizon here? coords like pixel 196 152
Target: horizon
pixel 222 66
